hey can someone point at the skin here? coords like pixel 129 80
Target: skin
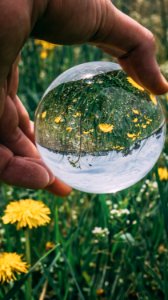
pixel 97 22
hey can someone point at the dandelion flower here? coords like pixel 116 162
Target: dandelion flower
pixel 135 120
pixel 132 136
pixel 77 114
pixel 26 213
pixel 135 111
pixel 163 173
pixel 45 45
pixel 43 54
pixel 135 84
pixel 69 129
pixel 49 245
pixel 106 127
pixel 153 99
pixel 43 115
pixel 11 264
pixel 58 120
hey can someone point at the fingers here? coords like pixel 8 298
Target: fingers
pixel 23 172
pixel 24 121
pixel 12 136
pixel 134 46
pixel 59 188
pixel 29 173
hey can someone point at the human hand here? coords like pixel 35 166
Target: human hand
pixel 63 22
pixel 20 162
pixel 100 23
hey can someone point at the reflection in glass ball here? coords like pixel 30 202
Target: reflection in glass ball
pixel 98 130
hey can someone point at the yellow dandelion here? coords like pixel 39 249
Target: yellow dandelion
pixel 45 45
pixel 106 127
pixel 135 111
pixel 163 173
pixel 78 114
pixel 49 245
pixel 26 213
pixel 86 132
pixel 135 84
pixel 43 115
pixel 58 120
pixel 43 54
pixel 10 265
pixel 133 136
pixel 144 125
pixel 69 129
pixel 135 120
pixel 148 121
pixel 153 99
pixel 118 147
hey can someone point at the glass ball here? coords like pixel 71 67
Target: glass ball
pixel 97 129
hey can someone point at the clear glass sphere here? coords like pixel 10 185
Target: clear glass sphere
pixel 98 130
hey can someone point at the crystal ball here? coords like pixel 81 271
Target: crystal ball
pixel 97 129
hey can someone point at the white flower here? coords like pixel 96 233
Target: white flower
pixel 119 212
pixel 100 232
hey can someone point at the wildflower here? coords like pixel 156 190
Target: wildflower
pixel 58 120
pixel 43 115
pixel 26 213
pixel 45 45
pixel 106 127
pixel 100 232
pixel 119 212
pixel 99 292
pixel 162 249
pixel 163 173
pixel 144 125
pixel 153 99
pixel 49 245
pixel 135 120
pixel 135 111
pixel 132 136
pixel 43 54
pixel 134 84
pixel 78 114
pixel 11 264
pixel 69 129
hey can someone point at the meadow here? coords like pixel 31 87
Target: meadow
pixel 84 246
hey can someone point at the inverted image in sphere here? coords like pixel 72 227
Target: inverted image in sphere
pixel 97 129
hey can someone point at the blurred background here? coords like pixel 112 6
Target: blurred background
pixel 107 247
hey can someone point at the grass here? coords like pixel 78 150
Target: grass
pixel 102 247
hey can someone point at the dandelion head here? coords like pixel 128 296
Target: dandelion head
pixel 58 120
pixel 106 127
pixel 10 265
pixel 26 213
pixel 163 173
pixel 43 54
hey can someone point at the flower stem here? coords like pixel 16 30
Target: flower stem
pixel 28 286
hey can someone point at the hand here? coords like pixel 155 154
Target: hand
pixel 63 22
pixel 20 163
pixel 100 23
